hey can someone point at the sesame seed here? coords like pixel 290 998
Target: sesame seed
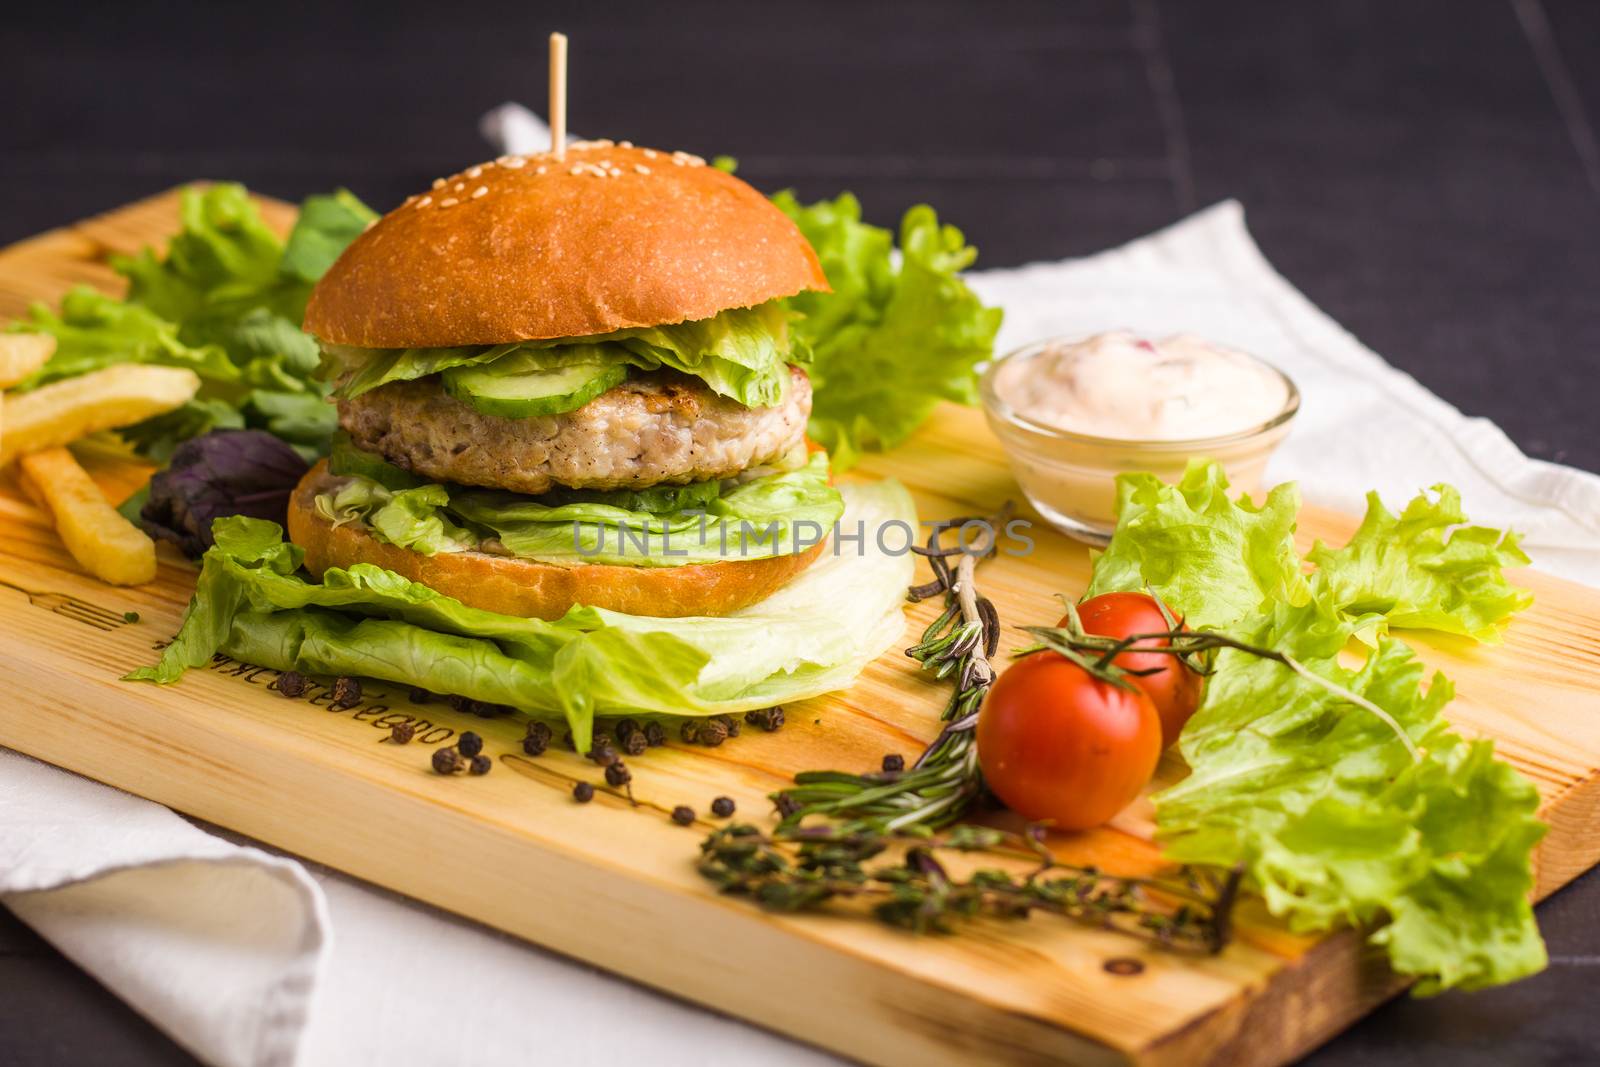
pixel 449 201
pixel 370 224
pixel 460 186
pixel 641 168
pixel 541 170
pixel 474 172
pixel 576 169
pixel 624 144
pixel 605 143
pixel 438 183
pixel 482 190
pixel 649 153
pixel 425 201
pixel 514 162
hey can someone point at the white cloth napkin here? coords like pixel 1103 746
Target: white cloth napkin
pixel 227 947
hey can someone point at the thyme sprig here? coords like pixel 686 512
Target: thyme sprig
pixel 1187 912
pixel 944 780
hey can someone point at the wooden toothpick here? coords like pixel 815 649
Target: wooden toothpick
pixel 558 95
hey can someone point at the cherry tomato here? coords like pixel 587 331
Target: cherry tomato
pixel 1057 743
pixel 1174 689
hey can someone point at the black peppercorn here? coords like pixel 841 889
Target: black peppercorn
pixel 402 733
pixel 583 792
pixel 635 744
pixel 730 725
pixel 786 805
pixel 459 703
pixel 538 739
pixel 346 692
pixel 712 733
pixel 722 807
pixel 421 696
pixel 625 729
pixel 894 763
pixel 768 719
pixel 470 744
pixel 291 683
pixel 655 734
pixel 603 754
pixel 683 815
pixel 690 731
pixel 566 739
pixel 617 774
pixel 446 761
pixel 481 764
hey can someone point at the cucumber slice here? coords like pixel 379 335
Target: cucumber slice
pixel 347 460
pixel 518 387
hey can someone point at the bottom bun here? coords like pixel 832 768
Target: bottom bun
pixel 532 589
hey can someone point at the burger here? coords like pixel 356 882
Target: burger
pixel 571 381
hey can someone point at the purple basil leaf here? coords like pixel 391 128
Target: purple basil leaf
pixel 225 472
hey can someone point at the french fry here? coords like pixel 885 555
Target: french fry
pixel 62 412
pixel 107 545
pixel 21 354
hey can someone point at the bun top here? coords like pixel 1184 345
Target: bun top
pixel 527 248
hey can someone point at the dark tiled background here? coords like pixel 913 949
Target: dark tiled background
pixel 1426 171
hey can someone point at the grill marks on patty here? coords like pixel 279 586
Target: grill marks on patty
pixel 657 428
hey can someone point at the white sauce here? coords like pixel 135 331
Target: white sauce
pixel 1120 386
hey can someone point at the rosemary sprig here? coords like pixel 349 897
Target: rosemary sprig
pixel 1189 912
pixel 944 780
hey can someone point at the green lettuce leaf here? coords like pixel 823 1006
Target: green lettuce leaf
pixel 1426 569
pixel 1212 559
pixel 325 226
pixel 742 353
pixel 225 300
pixel 94 331
pixel 1333 819
pixel 223 262
pixel 891 340
pixel 411 518
pixel 813 636
pixel 775 514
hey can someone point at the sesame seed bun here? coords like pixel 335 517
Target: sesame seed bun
pixel 532 589
pixel 526 248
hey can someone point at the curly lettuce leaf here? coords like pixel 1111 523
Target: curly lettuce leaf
pixel 813 636
pixel 222 262
pixel 777 513
pixel 1318 798
pixel 1213 559
pixel 1336 824
pixel 891 340
pixel 1426 569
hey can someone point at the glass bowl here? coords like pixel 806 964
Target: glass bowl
pixel 1070 478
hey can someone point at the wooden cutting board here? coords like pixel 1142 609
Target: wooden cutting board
pixel 615 885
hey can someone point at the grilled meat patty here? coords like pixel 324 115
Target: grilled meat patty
pixel 656 428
